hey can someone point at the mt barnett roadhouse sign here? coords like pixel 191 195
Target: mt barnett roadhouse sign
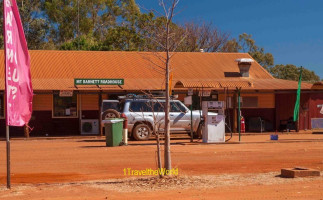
pixel 78 81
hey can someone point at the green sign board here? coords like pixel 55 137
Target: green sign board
pixel 89 81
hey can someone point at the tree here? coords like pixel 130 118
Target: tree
pixel 34 23
pixel 83 42
pixel 291 72
pixel 168 7
pixel 164 40
pixel 202 36
pixel 122 38
pixel 231 46
pixel 249 45
pixel 152 30
pixel 72 18
pixel 98 19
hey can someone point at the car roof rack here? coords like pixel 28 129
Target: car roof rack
pixel 146 96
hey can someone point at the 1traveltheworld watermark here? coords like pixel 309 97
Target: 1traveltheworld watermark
pixel 150 172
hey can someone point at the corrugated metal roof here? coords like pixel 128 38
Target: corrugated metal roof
pixel 318 85
pixel 250 84
pixel 278 84
pixel 196 84
pixel 236 84
pixel 56 70
pixel 213 84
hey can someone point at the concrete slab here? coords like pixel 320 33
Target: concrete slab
pixel 299 172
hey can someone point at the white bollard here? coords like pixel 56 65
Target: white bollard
pixel 125 136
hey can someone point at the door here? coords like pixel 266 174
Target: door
pixel 180 117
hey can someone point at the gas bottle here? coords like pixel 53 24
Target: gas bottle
pixel 242 125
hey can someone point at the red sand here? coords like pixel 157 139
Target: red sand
pixel 83 159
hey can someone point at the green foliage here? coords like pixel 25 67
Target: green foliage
pixel 247 44
pixel 291 72
pixel 34 23
pixel 266 60
pixel 84 43
pixel 122 39
pixel 231 46
pixel 73 18
pixel 107 25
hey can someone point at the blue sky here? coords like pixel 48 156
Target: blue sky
pixel 292 30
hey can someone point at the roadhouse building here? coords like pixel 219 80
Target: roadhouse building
pixel 69 87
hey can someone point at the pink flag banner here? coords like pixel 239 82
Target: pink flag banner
pixel 19 92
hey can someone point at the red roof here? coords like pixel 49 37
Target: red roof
pixel 56 70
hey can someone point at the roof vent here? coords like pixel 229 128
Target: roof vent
pixel 244 66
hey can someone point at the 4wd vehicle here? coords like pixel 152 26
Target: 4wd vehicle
pixel 146 115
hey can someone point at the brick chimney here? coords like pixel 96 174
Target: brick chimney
pixel 244 66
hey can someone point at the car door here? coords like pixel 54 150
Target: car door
pixel 159 114
pixel 179 116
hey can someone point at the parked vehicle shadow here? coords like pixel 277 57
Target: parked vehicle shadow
pixel 100 140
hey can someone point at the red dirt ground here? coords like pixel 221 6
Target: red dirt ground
pixel 62 168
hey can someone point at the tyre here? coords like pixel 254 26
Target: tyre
pixel 141 132
pixel 110 113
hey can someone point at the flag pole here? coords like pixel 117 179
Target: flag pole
pixel 18 86
pixel 8 158
pixel 7 129
pixel 6 110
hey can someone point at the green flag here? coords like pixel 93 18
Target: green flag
pixel 298 96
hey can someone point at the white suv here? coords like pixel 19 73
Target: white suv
pixel 147 115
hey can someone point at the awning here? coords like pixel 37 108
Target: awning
pixel 213 84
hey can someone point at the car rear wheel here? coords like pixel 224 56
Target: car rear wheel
pixel 141 132
pixel 110 113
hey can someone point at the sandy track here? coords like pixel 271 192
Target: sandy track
pixel 67 168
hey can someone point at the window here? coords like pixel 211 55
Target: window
pixel 64 106
pixel 1 105
pixel 140 106
pixel 249 102
pixel 158 106
pixel 177 107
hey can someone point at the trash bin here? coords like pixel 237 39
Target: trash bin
pixel 113 131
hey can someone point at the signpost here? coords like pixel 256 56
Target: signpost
pixel 90 81
pixel 205 93
pixel 66 93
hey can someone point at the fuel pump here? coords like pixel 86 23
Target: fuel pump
pixel 214 121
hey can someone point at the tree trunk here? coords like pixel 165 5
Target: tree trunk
pixel 159 162
pixel 168 164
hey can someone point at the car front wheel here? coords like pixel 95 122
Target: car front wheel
pixel 141 132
